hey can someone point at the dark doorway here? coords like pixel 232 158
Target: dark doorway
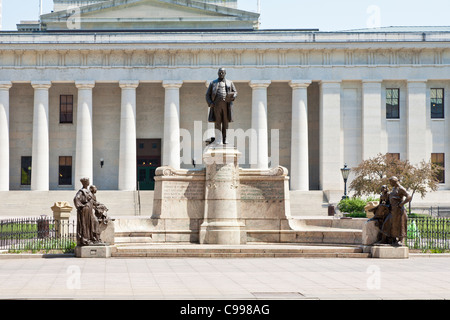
pixel 148 159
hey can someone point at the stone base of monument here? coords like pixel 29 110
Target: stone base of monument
pixel 223 233
pixel 370 233
pixel 252 205
pixel 93 251
pixel 389 252
pixel 107 232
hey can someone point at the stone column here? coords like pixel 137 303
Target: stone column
pixel 40 148
pixel 371 119
pixel 259 123
pixel 416 119
pixel 221 219
pixel 4 135
pixel 127 153
pixel 171 142
pixel 84 139
pixel 299 142
pixel 330 136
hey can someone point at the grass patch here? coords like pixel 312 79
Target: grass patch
pixel 44 246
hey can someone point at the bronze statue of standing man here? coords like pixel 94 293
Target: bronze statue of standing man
pixel 220 96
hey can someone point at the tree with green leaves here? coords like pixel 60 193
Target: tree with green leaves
pixel 375 172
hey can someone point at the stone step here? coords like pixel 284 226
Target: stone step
pixel 242 251
pixel 325 236
pixel 35 203
pixel 304 230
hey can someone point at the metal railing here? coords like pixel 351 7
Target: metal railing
pixel 429 233
pixel 37 234
pixel 439 211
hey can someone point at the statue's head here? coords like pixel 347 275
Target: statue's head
pixel 93 189
pixel 393 181
pixel 222 72
pixel 84 182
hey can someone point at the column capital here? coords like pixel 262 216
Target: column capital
pixel 5 85
pixel 128 84
pixel 172 84
pixel 259 83
pixel 41 84
pixel 85 84
pixel 295 84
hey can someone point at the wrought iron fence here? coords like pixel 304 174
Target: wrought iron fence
pixel 429 233
pixel 37 234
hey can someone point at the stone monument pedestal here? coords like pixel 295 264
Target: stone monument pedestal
pixel 93 251
pixel 219 204
pixel 370 233
pixel 389 252
pixel 99 251
pixel 222 224
pixel 107 232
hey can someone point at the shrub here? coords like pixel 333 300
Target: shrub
pixel 354 206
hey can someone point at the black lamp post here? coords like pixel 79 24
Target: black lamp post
pixel 345 172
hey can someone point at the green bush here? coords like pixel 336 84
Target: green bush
pixel 354 206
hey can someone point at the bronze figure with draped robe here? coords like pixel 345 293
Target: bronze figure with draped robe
pixel 87 223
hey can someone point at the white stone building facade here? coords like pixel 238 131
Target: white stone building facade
pixel 83 101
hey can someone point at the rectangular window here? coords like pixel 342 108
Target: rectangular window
pixel 439 159
pixel 392 103
pixel 66 109
pixel 437 103
pixel 65 171
pixel 25 171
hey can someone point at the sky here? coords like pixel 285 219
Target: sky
pixel 325 15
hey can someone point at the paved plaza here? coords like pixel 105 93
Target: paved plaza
pixel 225 279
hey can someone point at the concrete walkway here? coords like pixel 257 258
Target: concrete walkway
pixel 225 279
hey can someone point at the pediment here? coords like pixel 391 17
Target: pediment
pixel 150 9
pixel 153 14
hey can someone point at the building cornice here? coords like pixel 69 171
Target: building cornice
pixel 265 37
pixel 113 55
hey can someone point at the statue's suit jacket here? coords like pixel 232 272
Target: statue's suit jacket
pixel 211 96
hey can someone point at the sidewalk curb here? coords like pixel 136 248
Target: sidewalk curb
pixel 35 255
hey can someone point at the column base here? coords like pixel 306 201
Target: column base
pixel 225 233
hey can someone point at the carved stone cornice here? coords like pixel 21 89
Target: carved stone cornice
pixel 128 57
pixel 18 57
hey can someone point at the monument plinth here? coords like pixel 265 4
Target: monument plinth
pixel 220 203
pixel 222 224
